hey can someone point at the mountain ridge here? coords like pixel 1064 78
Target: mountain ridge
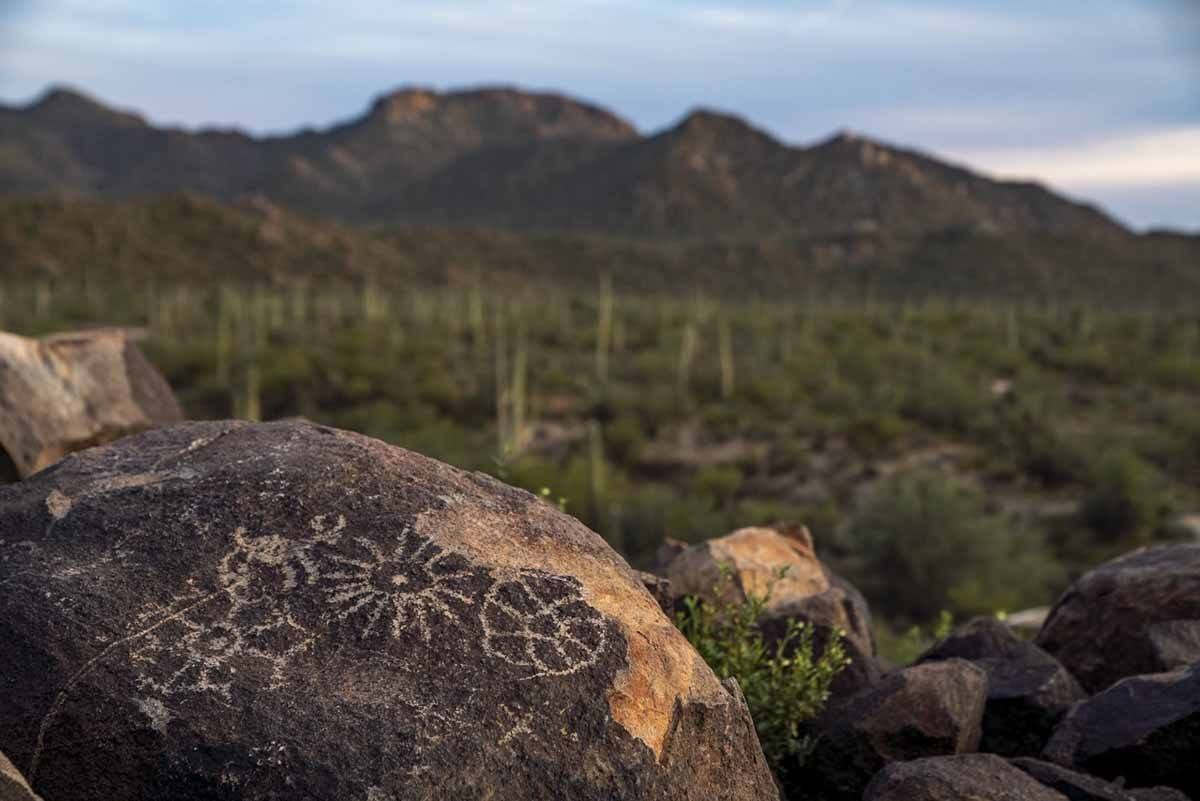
pixel 542 162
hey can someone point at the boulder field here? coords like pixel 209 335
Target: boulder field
pixel 266 611
pixel 228 611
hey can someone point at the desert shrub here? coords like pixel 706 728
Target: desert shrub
pixel 1124 501
pixel 718 483
pixel 924 542
pixel 623 439
pixel 874 435
pixel 785 684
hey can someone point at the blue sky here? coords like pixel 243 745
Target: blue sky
pixel 1099 99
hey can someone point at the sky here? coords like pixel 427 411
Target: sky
pixel 1100 99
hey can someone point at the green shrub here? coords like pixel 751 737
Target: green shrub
pixel 785 685
pixel 924 543
pixel 1125 501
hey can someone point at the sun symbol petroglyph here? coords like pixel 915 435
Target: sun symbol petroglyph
pixel 542 623
pixel 408 584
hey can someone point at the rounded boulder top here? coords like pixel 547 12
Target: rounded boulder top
pixel 260 611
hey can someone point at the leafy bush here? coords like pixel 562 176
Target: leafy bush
pixel 925 543
pixel 1125 501
pixel 785 684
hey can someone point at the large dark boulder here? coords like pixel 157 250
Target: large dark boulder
pixel 1144 729
pixel 925 710
pixel 808 592
pixel 236 611
pixel 1028 690
pixel 969 777
pixel 71 391
pixel 13 786
pixel 1137 614
pixel 1082 787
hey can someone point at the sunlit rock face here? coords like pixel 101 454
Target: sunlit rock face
pixel 782 566
pixel 227 610
pixel 71 391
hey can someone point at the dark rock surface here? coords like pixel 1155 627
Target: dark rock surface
pixel 1137 614
pixel 925 710
pixel 1028 690
pixel 1082 787
pixel 236 611
pixel 70 391
pixel 968 777
pixel 1145 729
pixel 809 592
pixel 12 784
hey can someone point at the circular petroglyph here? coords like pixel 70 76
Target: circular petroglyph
pixel 541 622
pixel 408 585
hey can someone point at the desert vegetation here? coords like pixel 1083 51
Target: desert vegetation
pixel 964 456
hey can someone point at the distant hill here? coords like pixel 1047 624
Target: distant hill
pixel 498 157
pixel 192 238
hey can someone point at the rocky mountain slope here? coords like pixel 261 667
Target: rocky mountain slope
pixel 502 157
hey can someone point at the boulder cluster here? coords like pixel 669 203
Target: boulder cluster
pixel 228 610
pixel 1103 704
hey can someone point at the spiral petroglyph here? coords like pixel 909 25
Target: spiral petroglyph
pixel 541 622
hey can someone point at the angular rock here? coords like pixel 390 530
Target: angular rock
pixel 808 592
pixel 968 777
pixel 1145 729
pixel 12 784
pixel 1082 787
pixel 1137 614
pixel 283 610
pixel 1028 690
pixel 925 710
pixel 72 391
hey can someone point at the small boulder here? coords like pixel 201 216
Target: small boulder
pixel 1028 690
pixel 977 777
pixel 1145 729
pixel 808 592
pixel 71 391
pixel 925 710
pixel 1137 614
pixel 1082 787
pixel 284 610
pixel 13 786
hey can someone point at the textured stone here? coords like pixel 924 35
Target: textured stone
pixel 1137 614
pixel 1028 690
pixel 1082 787
pixel 926 710
pixel 283 610
pixel 1144 729
pixel 71 391
pixel 968 777
pixel 12 784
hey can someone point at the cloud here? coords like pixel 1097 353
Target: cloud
pixel 1160 157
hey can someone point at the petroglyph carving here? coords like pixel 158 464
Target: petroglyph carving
pixel 231 634
pixel 541 622
pixel 58 505
pixel 412 584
